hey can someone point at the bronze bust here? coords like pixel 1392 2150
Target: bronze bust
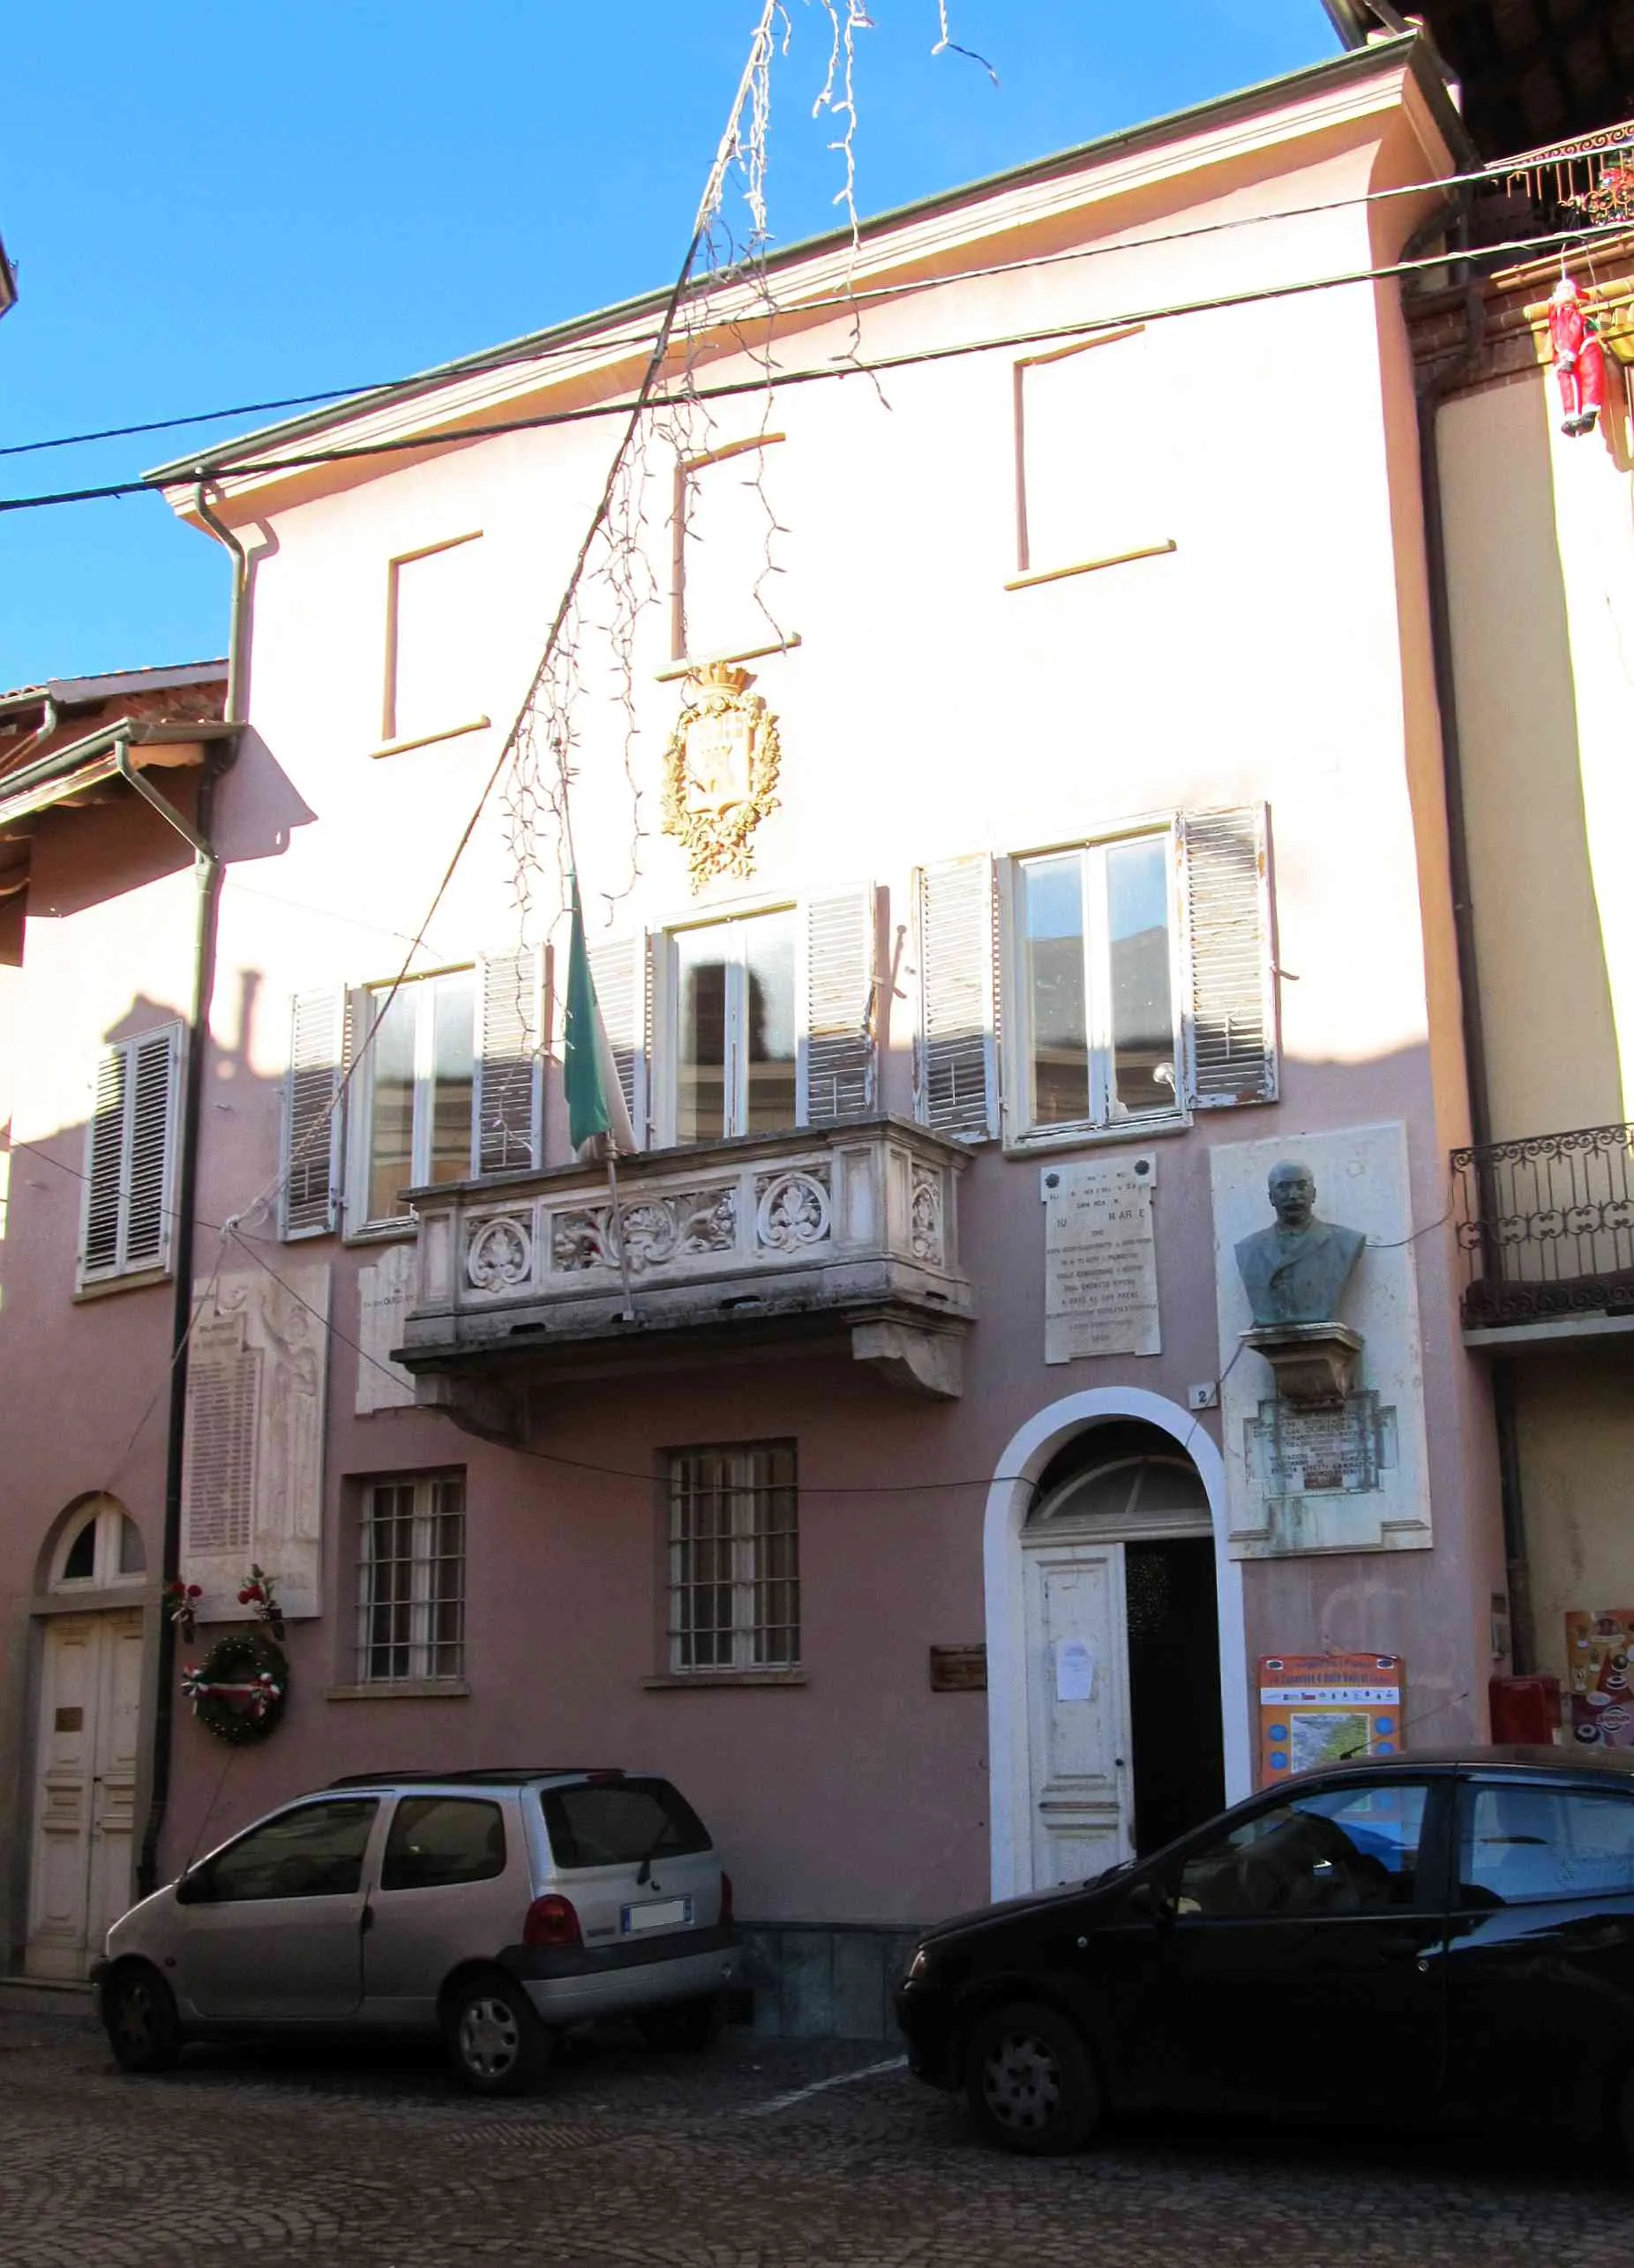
pixel 1296 1272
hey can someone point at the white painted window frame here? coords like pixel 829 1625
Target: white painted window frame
pixel 666 1035
pixel 360 1116
pixel 1103 1122
pixel 750 1506
pixel 421 1599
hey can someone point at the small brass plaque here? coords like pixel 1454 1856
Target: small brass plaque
pixel 958 1669
pixel 71 1720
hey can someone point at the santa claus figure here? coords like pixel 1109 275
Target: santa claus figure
pixel 1579 360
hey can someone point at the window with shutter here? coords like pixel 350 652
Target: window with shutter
pixel 130 1159
pixel 956 1063
pixel 509 1101
pixel 619 972
pixel 1231 1019
pixel 411 1110
pixel 310 1181
pixel 837 1076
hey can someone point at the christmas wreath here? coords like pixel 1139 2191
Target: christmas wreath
pixel 239 1689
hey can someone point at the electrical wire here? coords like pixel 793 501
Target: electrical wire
pixel 1085 327
pixel 525 351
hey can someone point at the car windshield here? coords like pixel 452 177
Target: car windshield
pixel 620 1822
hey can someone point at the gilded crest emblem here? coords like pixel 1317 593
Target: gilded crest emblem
pixel 720 772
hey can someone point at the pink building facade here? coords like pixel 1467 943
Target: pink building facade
pixel 1006 800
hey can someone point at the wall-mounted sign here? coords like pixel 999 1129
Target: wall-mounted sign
pixel 1320 1708
pixel 1100 1270
pixel 958 1669
pixel 1599 1648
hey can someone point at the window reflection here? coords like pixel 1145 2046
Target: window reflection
pixel 736 1038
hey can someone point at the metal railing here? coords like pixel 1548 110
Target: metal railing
pixel 1546 1226
pixel 1585 182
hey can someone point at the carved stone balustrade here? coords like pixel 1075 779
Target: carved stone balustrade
pixel 836 1234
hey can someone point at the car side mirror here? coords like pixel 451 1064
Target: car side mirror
pixel 195 1888
pixel 1148 1901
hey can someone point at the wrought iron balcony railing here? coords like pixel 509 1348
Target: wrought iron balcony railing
pixel 1587 181
pixel 1546 1226
pixel 852 1231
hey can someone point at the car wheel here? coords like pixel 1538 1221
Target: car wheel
pixel 497 2045
pixel 138 2015
pixel 688 2027
pixel 1031 2082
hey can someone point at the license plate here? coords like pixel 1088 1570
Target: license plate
pixel 658 1914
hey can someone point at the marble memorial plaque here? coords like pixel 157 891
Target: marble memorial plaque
pixel 1100 1274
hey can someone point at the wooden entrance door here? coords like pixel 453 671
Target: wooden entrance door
pixel 85 1788
pixel 1077 1710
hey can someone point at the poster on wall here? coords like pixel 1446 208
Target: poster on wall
pixel 1599 1648
pixel 1321 1708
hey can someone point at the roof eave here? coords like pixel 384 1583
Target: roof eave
pixel 1379 54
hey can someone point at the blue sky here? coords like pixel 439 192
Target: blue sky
pixel 209 205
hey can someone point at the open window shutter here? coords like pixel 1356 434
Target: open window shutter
pixel 105 1169
pixel 957 1062
pixel 507 1110
pixel 310 1177
pixel 838 1040
pixel 1230 1015
pixel 619 972
pixel 156 1064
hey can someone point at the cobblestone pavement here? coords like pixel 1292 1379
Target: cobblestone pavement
pixel 340 2157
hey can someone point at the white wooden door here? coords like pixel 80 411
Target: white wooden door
pixel 1077 1710
pixel 85 1788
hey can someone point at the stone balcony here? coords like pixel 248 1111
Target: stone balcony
pixel 844 1235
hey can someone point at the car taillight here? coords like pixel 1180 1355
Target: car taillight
pixel 553 1920
pixel 726 1896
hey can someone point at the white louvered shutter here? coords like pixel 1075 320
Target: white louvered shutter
pixel 104 1169
pixel 956 1060
pixel 131 1157
pixel 219 1445
pixel 309 1164
pixel 507 1104
pixel 155 1062
pixel 618 970
pixel 1231 1007
pixel 837 1077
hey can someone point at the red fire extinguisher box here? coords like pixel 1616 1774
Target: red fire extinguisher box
pixel 1525 1709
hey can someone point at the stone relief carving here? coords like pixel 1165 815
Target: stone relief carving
pixel 656 1231
pixel 792 1210
pixel 500 1255
pixel 925 1229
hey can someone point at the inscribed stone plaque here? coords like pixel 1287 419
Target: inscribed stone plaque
pixel 1100 1273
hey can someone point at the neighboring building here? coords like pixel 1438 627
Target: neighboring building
pixel 102 782
pixel 7 283
pixel 1103 865
pixel 1536 612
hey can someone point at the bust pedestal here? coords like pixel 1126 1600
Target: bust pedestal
pixel 1313 1363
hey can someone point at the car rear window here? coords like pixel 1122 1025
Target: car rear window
pixel 436 1840
pixel 619 1823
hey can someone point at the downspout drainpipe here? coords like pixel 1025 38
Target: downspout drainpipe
pixel 1432 393
pixel 208 874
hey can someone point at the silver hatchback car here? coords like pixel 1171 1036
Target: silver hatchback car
pixel 497 1907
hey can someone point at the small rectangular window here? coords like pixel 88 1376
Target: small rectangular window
pixel 728 553
pixel 1100 1031
pixel 411 1579
pixel 434 619
pixel 734 1558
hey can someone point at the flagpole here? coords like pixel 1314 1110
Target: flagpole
pixel 617 1213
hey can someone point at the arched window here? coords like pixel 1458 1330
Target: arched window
pixel 100 1548
pixel 1124 1478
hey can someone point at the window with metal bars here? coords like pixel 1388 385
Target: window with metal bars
pixel 411 1579
pixel 734 1558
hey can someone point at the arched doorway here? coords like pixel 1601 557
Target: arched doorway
pixel 1124 1736
pixel 1118 1704
pixel 88 1738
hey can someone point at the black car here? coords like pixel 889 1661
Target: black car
pixel 1402 1939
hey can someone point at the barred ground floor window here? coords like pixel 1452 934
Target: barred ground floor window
pixel 411 1578
pixel 734 1558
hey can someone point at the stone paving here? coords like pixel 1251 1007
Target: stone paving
pixel 347 2158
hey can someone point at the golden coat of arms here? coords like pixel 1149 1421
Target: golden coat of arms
pixel 720 772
